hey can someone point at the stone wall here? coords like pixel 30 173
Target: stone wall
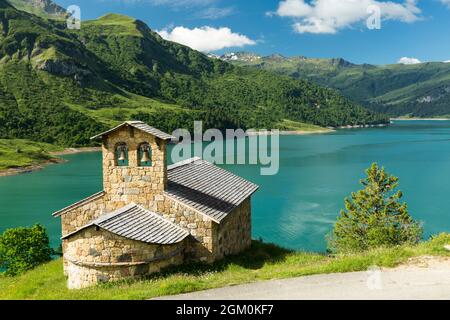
pixel 142 185
pixel 77 217
pixel 93 256
pixel 210 240
pixel 200 226
pixel 234 234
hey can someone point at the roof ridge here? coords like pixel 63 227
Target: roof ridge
pixel 79 203
pixel 184 162
pixel 137 231
pixel 161 217
pixel 140 125
pixel 134 121
pixel 114 213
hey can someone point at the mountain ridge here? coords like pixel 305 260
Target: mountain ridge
pixel 43 8
pixel 419 90
pixel 61 86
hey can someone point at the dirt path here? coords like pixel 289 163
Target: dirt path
pixel 420 278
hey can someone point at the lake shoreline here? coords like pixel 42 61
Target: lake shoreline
pixel 318 131
pixel 56 154
pixel 420 119
pixel 43 164
pixel 30 168
pixel 68 151
pixel 290 132
pixel 363 126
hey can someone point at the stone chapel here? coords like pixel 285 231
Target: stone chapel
pixel 150 215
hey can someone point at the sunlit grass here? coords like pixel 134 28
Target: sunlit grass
pixel 124 25
pixel 19 152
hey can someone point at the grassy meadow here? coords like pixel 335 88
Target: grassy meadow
pixel 16 153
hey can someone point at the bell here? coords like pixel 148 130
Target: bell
pixel 145 157
pixel 122 155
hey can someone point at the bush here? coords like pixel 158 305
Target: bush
pixel 374 216
pixel 22 249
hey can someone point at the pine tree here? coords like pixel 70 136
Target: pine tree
pixel 374 216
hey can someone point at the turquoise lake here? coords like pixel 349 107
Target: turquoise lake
pixel 295 208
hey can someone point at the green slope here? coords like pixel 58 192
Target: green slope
pixel 20 153
pixel 417 90
pixel 61 86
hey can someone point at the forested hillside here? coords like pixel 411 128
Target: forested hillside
pixel 61 86
pixel 419 90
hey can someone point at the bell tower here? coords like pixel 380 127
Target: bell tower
pixel 134 164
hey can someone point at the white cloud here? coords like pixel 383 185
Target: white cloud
pixel 446 2
pixel 330 16
pixel 406 60
pixel 294 8
pixel 447 61
pixel 206 38
pixel 314 25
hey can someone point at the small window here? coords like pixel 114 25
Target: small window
pixel 122 154
pixel 145 155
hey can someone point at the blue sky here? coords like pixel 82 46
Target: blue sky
pixel 416 29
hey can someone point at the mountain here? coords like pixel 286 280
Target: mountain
pixel 238 56
pixel 420 90
pixel 61 86
pixel 43 8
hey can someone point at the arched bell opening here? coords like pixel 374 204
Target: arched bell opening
pixel 121 154
pixel 144 155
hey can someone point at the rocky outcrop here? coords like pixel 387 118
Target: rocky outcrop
pixel 45 7
pixel 64 68
pixel 436 95
pixel 49 7
pixel 339 62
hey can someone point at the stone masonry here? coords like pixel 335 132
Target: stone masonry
pixel 92 254
pixel 142 185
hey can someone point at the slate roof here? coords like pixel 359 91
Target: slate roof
pixel 140 126
pixel 137 223
pixel 207 188
pixel 200 185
